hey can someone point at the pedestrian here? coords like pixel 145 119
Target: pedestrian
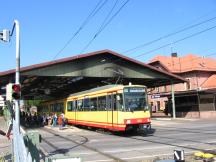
pixel 5 134
pixel 63 119
pixel 60 121
pixel 54 120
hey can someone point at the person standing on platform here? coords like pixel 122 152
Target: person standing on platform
pixel 60 121
pixel 54 120
pixel 4 134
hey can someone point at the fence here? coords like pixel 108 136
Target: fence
pixel 20 152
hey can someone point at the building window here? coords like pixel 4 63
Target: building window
pixel 158 106
pixel 188 85
pixel 165 88
pixel 215 102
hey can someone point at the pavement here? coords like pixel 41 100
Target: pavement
pixel 168 118
pixel 5 144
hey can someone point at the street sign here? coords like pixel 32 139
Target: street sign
pixel 155 96
pixel 179 155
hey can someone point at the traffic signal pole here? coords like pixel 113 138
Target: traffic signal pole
pixel 17 75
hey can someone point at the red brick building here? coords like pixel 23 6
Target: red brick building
pixel 197 98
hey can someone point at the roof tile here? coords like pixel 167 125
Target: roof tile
pixel 189 62
pixel 210 82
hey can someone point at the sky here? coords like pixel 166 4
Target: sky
pixel 46 26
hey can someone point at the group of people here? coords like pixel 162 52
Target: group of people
pixel 40 120
pixel 36 120
pixel 60 120
pixel 29 120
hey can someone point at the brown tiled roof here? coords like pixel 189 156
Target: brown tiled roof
pixel 187 63
pixel 210 82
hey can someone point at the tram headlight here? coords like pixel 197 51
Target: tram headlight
pixel 128 121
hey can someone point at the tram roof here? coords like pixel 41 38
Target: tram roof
pixel 65 76
pixel 107 87
pixel 96 89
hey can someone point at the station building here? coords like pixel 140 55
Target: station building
pixel 193 99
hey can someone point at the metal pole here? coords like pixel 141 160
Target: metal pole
pixel 173 100
pixel 17 76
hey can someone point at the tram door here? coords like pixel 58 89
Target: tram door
pixel 112 115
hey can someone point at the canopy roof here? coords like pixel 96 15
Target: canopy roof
pixel 59 78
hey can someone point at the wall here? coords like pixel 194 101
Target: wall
pixel 208 114
pixel 207 102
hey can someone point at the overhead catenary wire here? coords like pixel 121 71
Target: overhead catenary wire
pixel 104 25
pixel 177 41
pixel 96 9
pixel 169 35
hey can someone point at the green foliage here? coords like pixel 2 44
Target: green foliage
pixel 32 102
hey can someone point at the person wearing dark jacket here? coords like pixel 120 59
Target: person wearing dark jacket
pixel 4 134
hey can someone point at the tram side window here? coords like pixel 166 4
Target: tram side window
pixel 119 102
pixel 71 106
pixel 114 102
pixel 93 104
pixel 86 106
pixel 45 108
pixel 108 102
pixel 59 107
pixel 102 103
pixel 52 107
pixel 80 105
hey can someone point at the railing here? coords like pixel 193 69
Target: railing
pixel 21 152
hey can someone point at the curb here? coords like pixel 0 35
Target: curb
pixel 165 119
pixel 176 119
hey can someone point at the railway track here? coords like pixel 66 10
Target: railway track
pixel 133 147
pixel 81 143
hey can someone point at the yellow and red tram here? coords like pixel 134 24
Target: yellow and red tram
pixel 113 107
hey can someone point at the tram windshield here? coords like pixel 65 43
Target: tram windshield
pixel 135 99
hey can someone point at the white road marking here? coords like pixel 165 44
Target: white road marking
pixel 100 160
pixel 137 149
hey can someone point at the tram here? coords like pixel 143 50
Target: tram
pixel 113 107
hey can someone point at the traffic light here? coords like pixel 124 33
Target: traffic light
pixel 5 35
pixel 16 91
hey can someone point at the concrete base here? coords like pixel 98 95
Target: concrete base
pixel 208 114
pixel 192 114
pixel 196 114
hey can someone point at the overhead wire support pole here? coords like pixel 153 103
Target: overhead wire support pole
pixel 173 100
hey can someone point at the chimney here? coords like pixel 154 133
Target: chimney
pixel 174 54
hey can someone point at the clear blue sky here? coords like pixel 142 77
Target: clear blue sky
pixel 46 25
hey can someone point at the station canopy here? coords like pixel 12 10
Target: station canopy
pixel 59 78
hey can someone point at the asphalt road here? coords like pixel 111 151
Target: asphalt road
pixel 100 146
